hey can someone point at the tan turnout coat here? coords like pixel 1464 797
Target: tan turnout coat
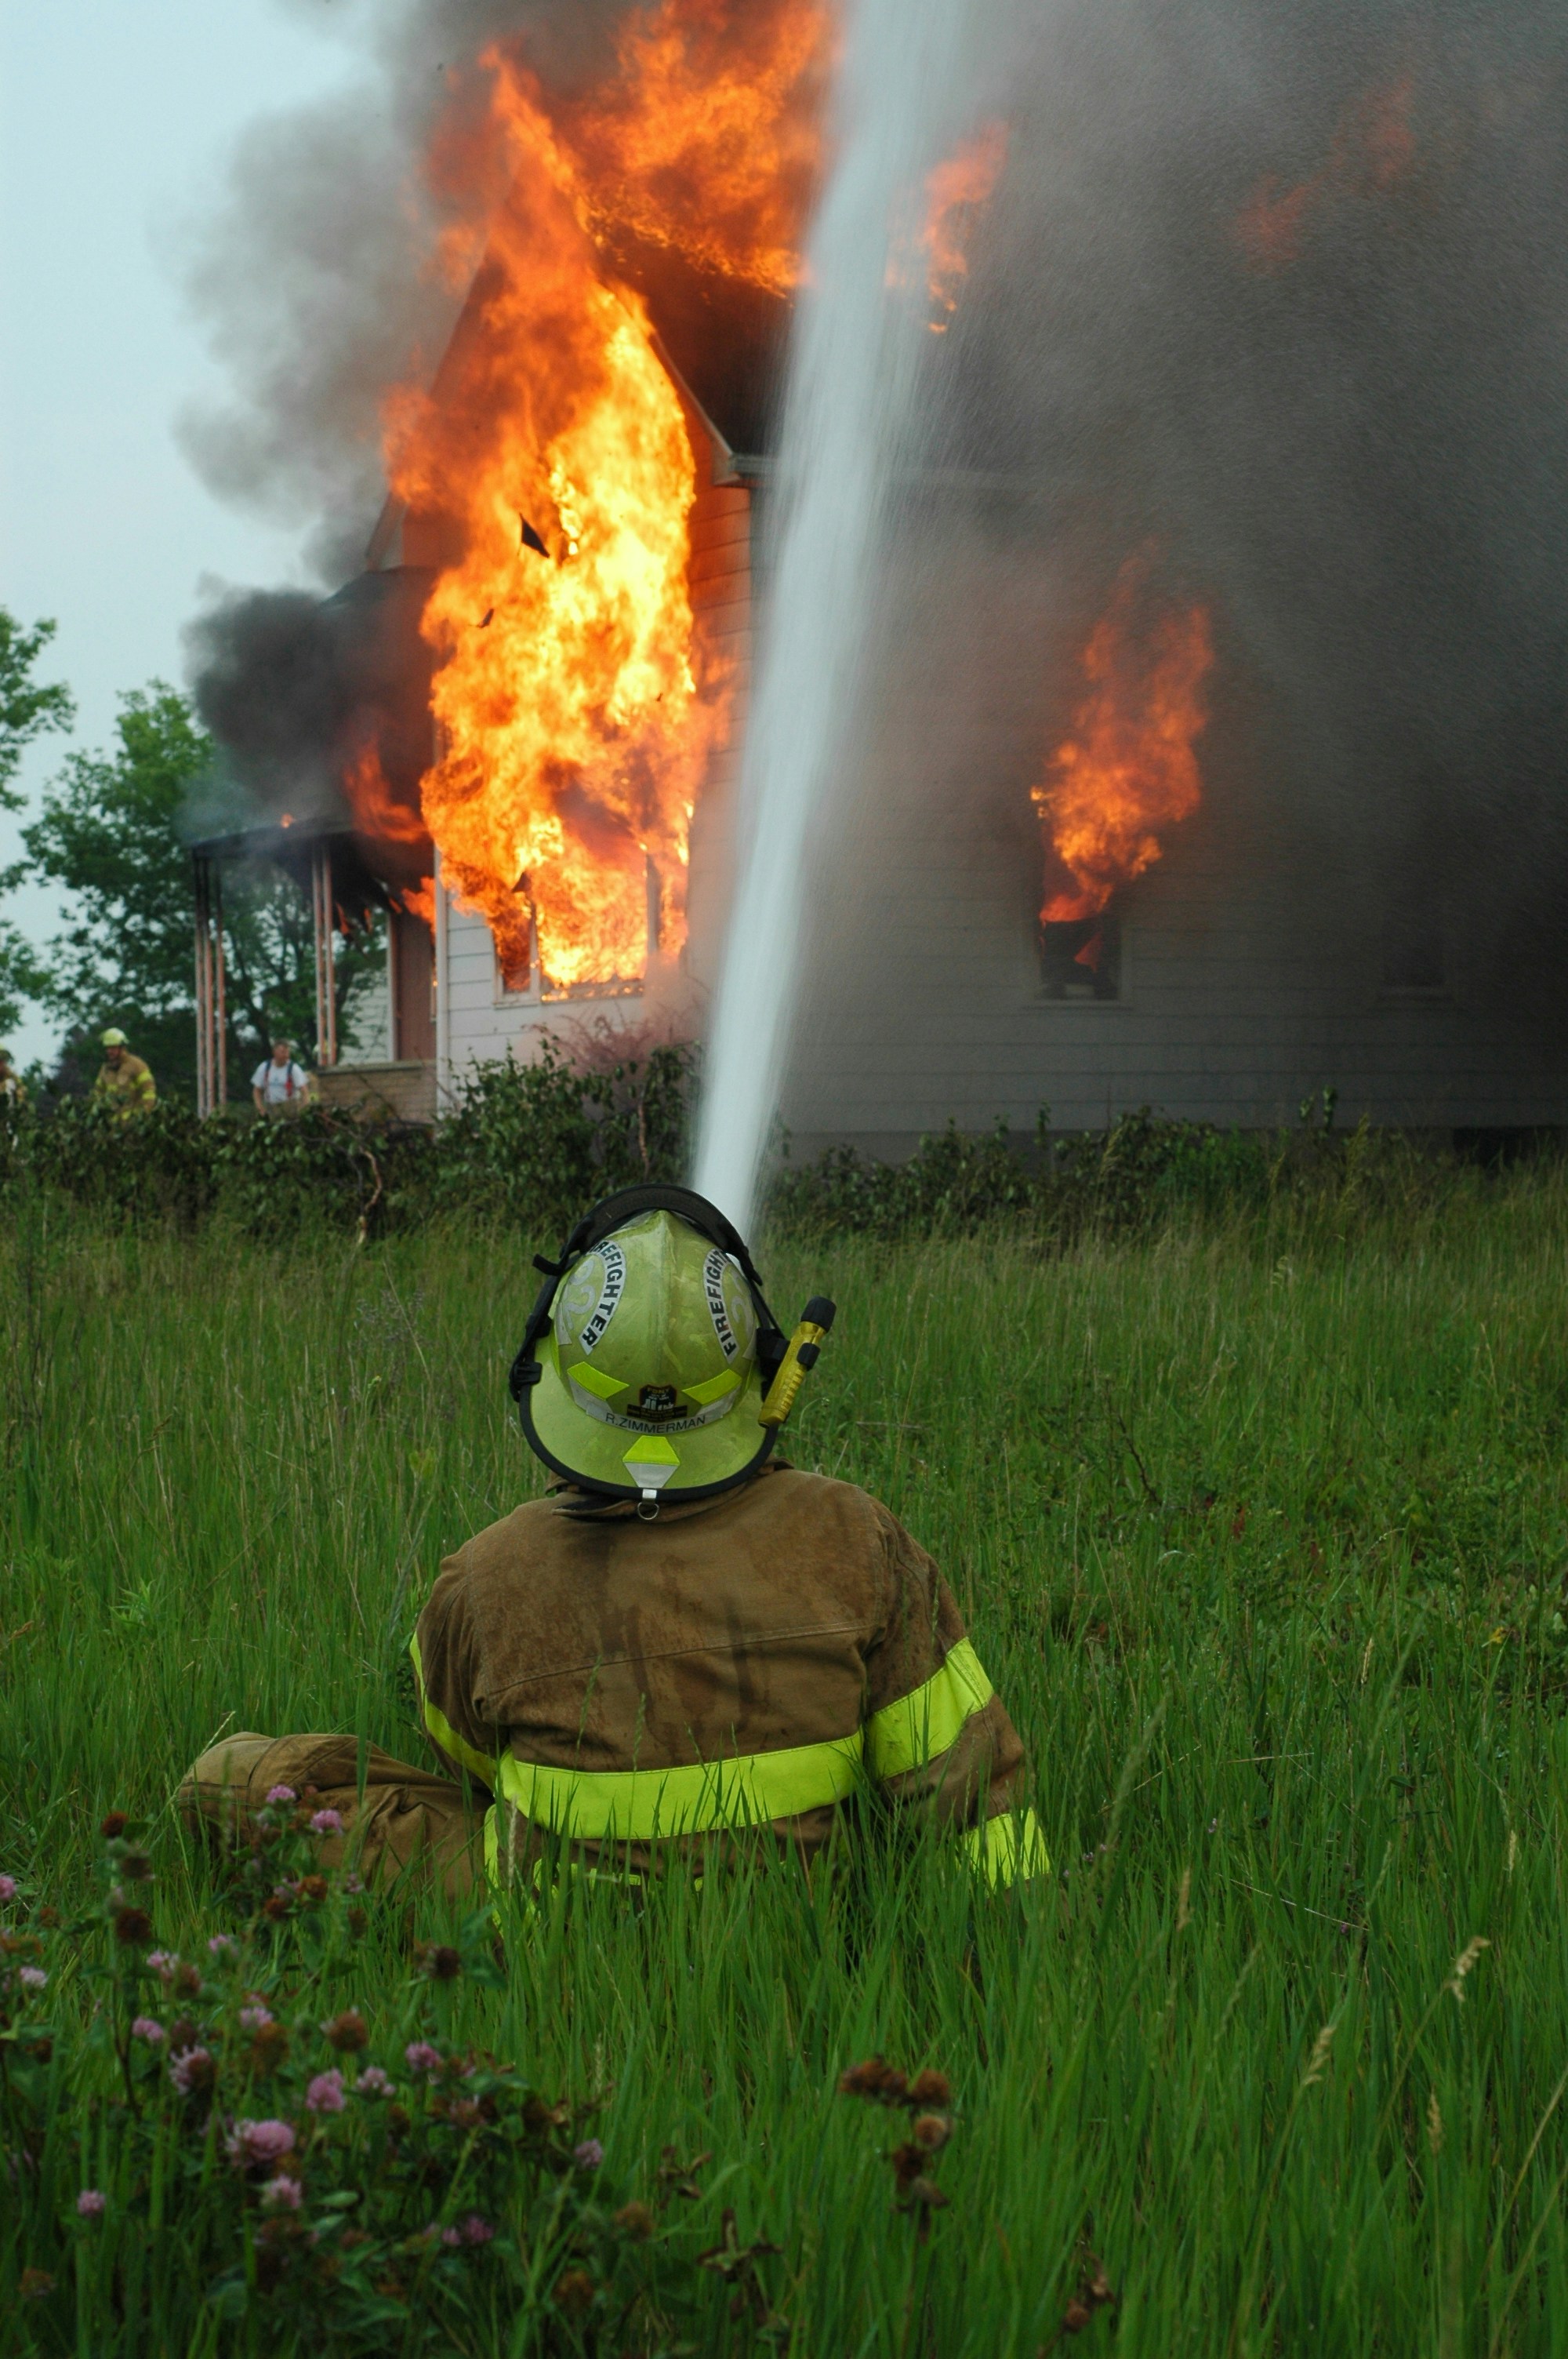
pixel 765 1659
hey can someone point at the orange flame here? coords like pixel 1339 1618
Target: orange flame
pixel 956 190
pixel 377 812
pixel 1129 767
pixel 1372 149
pixel 574 728
pixel 705 140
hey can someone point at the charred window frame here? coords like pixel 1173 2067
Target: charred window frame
pixel 1081 958
pixel 518 980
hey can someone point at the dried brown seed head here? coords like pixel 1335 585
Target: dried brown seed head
pixel 574 2292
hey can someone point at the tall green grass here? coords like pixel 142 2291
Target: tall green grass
pixel 1262 1535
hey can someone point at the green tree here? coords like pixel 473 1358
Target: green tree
pixel 27 710
pixel 110 834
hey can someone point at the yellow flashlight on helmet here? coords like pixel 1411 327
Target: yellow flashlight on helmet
pixel 799 1359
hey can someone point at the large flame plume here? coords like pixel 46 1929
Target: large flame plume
pixel 574 713
pixel 1127 770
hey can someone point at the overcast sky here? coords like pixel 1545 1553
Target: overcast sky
pixel 115 118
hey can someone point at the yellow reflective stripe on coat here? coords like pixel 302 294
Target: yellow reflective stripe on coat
pixel 638 1805
pixel 930 1719
pixel 1007 1849
pixel 478 1764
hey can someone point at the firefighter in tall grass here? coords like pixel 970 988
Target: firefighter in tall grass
pixel 686 1645
pixel 123 1081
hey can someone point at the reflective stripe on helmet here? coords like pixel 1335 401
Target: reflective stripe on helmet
pixel 478 1764
pixel 1007 1849
pixel 639 1805
pixel 906 1734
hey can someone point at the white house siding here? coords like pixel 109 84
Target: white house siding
pixel 925 1003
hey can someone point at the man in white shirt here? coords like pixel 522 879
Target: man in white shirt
pixel 280 1086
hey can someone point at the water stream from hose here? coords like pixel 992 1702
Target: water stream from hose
pixel 859 335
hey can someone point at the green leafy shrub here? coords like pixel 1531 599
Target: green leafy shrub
pixel 528 1144
pixel 533 1143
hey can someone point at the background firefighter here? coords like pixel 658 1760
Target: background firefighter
pixel 123 1080
pixel 685 1646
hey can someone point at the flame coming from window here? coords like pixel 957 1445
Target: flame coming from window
pixel 1127 770
pixel 574 711
pixel 377 809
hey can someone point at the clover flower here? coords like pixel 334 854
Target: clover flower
pixel 255 2017
pixel 148 2027
pixel 279 1794
pixel 324 2093
pixel 588 2155
pixel 326 1822
pixel 190 2069
pixel 281 2193
pixel 420 2057
pixel 221 1945
pixel 374 2083
pixel 165 1964
pixel 92 2203
pixel 31 1977
pixel 8 1888
pixel 259 2142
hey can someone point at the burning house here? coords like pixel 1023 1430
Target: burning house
pixel 1085 854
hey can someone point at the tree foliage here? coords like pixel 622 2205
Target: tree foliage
pixel 29 708
pixel 110 834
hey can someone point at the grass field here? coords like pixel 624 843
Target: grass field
pixel 1262 1537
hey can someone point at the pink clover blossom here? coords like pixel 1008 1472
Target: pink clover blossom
pixel 92 2203
pixel 258 2142
pixel 281 2193
pixel 148 2027
pixel 325 2095
pixel 281 1794
pixel 326 1822
pixel 186 2066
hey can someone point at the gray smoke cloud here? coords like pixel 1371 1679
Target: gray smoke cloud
pixel 315 272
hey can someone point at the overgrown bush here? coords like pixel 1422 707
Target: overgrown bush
pixel 533 1143
pixel 1122 1181
pixel 528 1145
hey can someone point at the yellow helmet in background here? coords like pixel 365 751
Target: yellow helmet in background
pixel 114 1037
pixel 650 1348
